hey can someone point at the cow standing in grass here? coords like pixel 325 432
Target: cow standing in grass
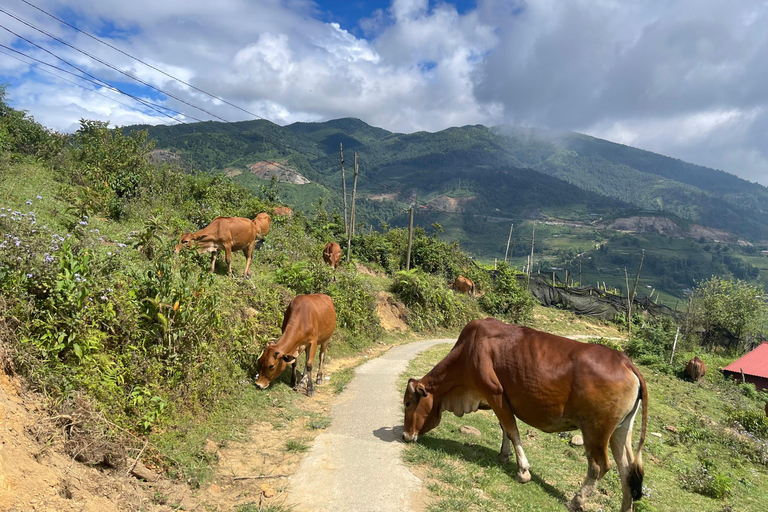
pixel 464 285
pixel 308 323
pixel 332 254
pixel 696 369
pixel 228 233
pixel 549 382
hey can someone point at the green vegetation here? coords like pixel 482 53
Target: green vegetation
pixel 728 312
pixel 504 175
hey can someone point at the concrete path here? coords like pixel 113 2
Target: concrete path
pixel 355 466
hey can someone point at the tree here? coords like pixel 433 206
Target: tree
pixel 728 312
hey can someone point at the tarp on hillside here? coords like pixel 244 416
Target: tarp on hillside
pixel 589 300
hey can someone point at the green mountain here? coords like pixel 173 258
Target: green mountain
pixel 475 181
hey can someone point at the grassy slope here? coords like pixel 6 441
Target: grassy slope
pixel 463 473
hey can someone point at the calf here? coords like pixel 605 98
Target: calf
pixel 696 369
pixel 551 383
pixel 332 254
pixel 283 211
pixel 309 321
pixel 464 285
pixel 228 233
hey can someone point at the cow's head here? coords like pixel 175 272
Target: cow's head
pixel 271 364
pixel 184 243
pixel 418 411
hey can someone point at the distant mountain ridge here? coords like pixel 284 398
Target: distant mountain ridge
pixel 508 170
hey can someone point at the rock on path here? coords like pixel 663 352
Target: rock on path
pixel 355 466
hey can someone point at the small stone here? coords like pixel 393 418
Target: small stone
pixel 214 488
pixel 268 491
pixel 656 434
pixel 577 440
pixel 470 431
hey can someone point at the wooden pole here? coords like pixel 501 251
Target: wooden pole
pixel 579 272
pixel 637 277
pixel 674 345
pixel 629 303
pixel 352 219
pixel 508 241
pixel 410 242
pixel 344 189
pixel 530 265
pixel 351 230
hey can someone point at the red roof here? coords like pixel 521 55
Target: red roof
pixel 753 363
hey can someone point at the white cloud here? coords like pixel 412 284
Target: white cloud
pixel 686 78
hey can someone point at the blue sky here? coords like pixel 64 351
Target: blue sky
pixel 686 78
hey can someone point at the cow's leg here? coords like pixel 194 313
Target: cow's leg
pixel 248 253
pixel 319 379
pixel 596 447
pixel 506 449
pixel 213 261
pixel 311 351
pixel 228 256
pixel 294 373
pixel 621 446
pixel 501 407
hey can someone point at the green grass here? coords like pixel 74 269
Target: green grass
pixel 463 473
pixel 296 446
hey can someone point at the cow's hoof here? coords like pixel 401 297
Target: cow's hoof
pixel 523 476
pixel 319 380
pixel 503 458
pixel 575 506
pixel 310 393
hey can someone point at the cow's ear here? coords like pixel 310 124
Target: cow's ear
pixel 411 389
pixel 198 237
pixel 288 358
pixel 421 390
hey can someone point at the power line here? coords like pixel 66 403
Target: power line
pixel 95 80
pixel 143 62
pixel 36 66
pixel 147 84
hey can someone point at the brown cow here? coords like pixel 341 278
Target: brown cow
pixel 283 211
pixel 309 321
pixel 228 233
pixel 696 369
pixel 464 285
pixel 332 254
pixel 549 382
pixel 262 223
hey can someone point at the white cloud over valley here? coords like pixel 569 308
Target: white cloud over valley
pixel 686 79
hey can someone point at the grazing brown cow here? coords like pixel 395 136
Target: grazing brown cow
pixel 696 369
pixel 309 321
pixel 464 285
pixel 332 254
pixel 228 233
pixel 262 223
pixel 283 211
pixel 549 382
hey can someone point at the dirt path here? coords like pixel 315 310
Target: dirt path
pixel 355 465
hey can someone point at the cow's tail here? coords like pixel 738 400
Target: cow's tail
pixel 636 471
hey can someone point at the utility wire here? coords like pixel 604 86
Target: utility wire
pixel 105 63
pixel 143 62
pixel 95 80
pixel 37 66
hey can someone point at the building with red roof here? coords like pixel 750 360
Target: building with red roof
pixel 754 366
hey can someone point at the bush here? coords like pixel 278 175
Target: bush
pixel 506 297
pixel 652 346
pixel 752 420
pixel 704 478
pixel 431 304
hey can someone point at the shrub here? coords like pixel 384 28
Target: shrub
pixel 506 297
pixel 652 346
pixel 431 304
pixel 752 420
pixel 704 478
